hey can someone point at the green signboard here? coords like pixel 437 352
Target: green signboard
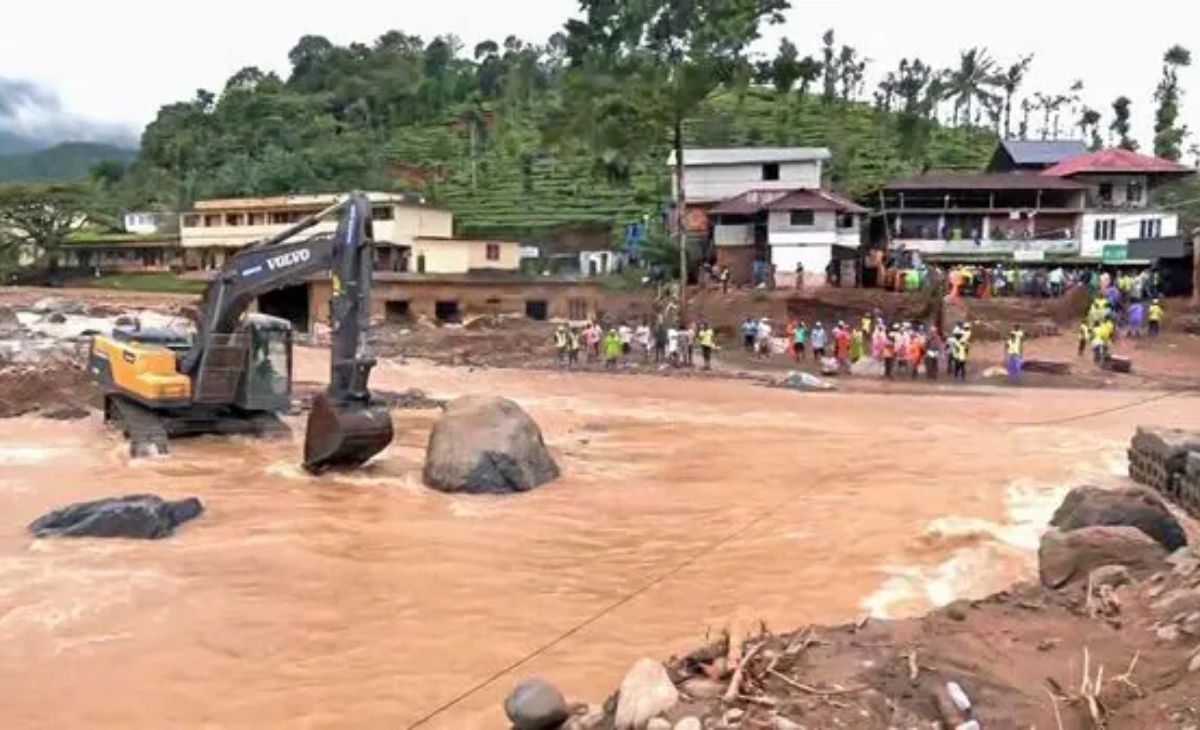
pixel 1114 252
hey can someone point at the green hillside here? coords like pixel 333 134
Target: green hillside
pixel 65 161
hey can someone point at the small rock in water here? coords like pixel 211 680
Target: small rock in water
pixel 646 692
pixel 734 715
pixel 956 611
pixel 782 723
pixel 141 516
pixel 689 723
pixel 1168 633
pixel 658 723
pixel 703 688
pixel 536 705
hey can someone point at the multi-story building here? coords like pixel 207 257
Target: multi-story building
pixel 1120 207
pixel 713 175
pixel 1033 155
pixel 412 235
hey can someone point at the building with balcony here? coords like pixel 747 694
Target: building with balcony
pixel 980 216
pixel 1120 210
pixel 412 236
pixel 785 229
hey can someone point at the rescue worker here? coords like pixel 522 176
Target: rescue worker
pixel 1085 336
pixel 916 352
pixel 574 345
pixel 613 348
pixel 1154 316
pixel 933 353
pixel 958 357
pixel 1015 349
pixel 1101 341
pixel 707 339
pixel 561 342
pixel 890 346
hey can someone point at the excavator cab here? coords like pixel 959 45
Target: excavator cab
pixel 266 384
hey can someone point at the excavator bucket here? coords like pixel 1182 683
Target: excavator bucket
pixel 344 437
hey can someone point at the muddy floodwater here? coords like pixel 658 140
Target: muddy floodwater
pixel 368 601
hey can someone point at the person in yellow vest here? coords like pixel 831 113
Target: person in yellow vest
pixel 966 337
pixel 574 345
pixel 707 339
pixel 561 343
pixel 958 357
pixel 1015 349
pixel 1085 336
pixel 1154 316
pixel 1102 341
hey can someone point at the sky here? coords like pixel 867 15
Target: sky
pixel 103 69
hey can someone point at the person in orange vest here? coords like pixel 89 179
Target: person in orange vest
pixel 916 352
pixel 890 345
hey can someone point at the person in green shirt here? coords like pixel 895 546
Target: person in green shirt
pixel 612 348
pixel 799 338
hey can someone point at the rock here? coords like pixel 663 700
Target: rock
pixel 1064 557
pixel 829 366
pixel 57 318
pixel 702 688
pixel 487 445
pixel 1180 601
pixel 1049 367
pixel 64 412
pixel 1194 664
pixel 956 611
pixel 658 723
pixel 867 366
pixel 588 721
pixel 1117 364
pixel 9 324
pixel 782 723
pixel 536 705
pixel 646 692
pixel 1113 576
pixel 804 381
pixel 689 723
pixel 48 305
pixel 1131 506
pixel 141 516
pixel 734 716
pixel 1168 633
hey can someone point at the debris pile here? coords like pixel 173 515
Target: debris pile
pixel 1110 638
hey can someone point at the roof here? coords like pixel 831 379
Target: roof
pixel 816 200
pixel 755 201
pixel 1116 161
pixel 1042 151
pixel 984 181
pixel 703 157
pixel 300 201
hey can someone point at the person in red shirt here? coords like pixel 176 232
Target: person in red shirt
pixel 841 346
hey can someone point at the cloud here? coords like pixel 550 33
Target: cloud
pixel 31 115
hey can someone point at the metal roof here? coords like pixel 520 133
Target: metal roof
pixel 703 157
pixel 748 203
pixel 755 201
pixel 984 181
pixel 1042 151
pixel 1117 161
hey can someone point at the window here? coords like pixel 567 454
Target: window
pixel 1106 229
pixel 233 219
pixel 802 218
pixel 1151 228
pixel 256 219
pixel 191 220
pixel 770 171
pixel 446 311
pixel 577 310
pixel 535 309
pixel 382 213
pixel 846 220
pixel 493 252
pixel 283 216
pixel 397 311
pixel 1106 190
pixel 1134 192
pixel 212 221
pixel 420 263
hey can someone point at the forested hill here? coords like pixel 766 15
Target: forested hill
pixel 477 130
pixel 65 161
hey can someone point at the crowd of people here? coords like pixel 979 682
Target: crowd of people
pixel 1121 305
pixel 615 346
pixel 1008 280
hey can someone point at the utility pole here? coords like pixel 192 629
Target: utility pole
pixel 1196 267
pixel 680 223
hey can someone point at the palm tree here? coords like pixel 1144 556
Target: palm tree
pixel 1010 81
pixel 970 81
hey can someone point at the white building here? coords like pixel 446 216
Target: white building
pixel 1120 206
pixel 148 222
pixel 712 175
pixel 807 227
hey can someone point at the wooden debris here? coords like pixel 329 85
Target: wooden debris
pixel 735 684
pixel 815 691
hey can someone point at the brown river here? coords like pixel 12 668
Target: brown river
pixel 367 601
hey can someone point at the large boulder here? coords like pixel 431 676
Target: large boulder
pixel 142 516
pixel 487 445
pixel 1131 506
pixel 645 693
pixel 536 705
pixel 1066 557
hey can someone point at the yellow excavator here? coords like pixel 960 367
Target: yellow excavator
pixel 235 375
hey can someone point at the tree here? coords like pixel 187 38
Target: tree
pixel 1009 82
pixel 35 219
pixel 1121 124
pixel 970 82
pixel 1089 127
pixel 785 68
pixel 662 58
pixel 1168 138
pixel 1027 106
pixel 829 67
pixel 851 69
pixel 809 70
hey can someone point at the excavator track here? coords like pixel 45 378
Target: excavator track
pixel 141 426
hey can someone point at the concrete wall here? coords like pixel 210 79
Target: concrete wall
pixel 1120 190
pixel 458 256
pixel 718 182
pixel 564 300
pixel 1128 225
pixel 408 222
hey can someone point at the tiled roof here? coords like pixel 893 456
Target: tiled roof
pixel 1116 161
pixel 748 203
pixel 984 181
pixel 816 200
